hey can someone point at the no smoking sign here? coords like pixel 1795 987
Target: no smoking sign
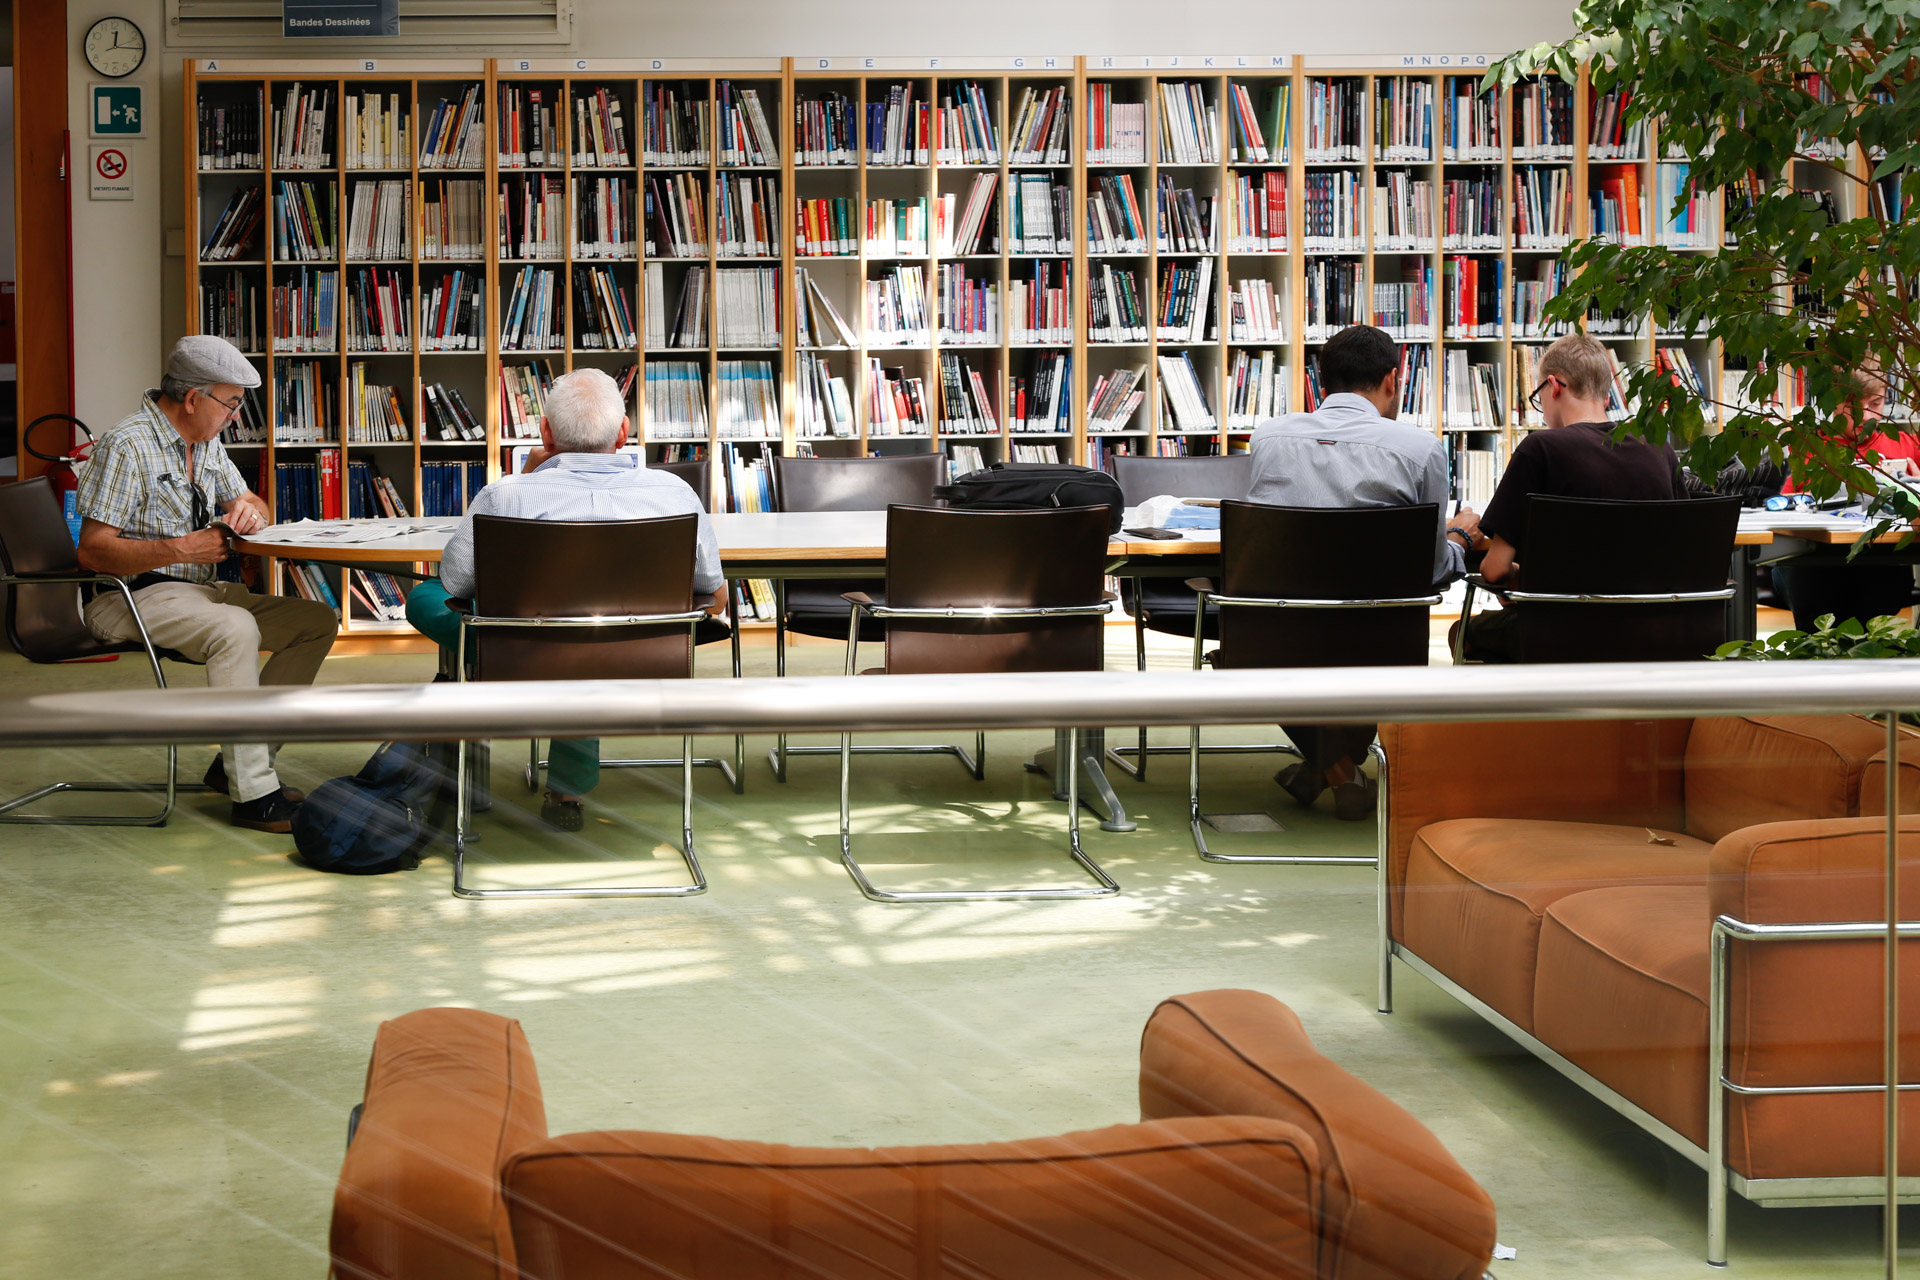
pixel 109 173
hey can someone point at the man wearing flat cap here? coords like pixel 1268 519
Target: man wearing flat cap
pixel 147 501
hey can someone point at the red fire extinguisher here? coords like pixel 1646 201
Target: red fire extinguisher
pixel 63 469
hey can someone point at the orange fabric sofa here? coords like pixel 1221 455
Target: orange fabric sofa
pixel 1254 1156
pixel 1564 880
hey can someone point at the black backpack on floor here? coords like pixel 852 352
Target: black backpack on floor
pixel 380 819
pixel 1029 486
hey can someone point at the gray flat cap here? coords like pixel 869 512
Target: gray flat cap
pixel 201 360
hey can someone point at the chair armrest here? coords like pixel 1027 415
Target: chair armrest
pixel 1200 584
pixel 451 1093
pixel 29 579
pixel 1391 1192
pixel 1873 779
pixel 858 599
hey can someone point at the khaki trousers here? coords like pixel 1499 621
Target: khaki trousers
pixel 225 626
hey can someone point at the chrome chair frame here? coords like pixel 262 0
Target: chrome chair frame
pixel 1204 589
pixel 170 788
pixel 1104 885
pixel 461 889
pixel 1136 768
pixel 1475 581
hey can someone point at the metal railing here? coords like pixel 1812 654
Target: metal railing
pixel 867 704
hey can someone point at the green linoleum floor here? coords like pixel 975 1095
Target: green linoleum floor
pixel 185 1017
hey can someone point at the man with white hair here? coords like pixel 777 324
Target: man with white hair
pixel 147 503
pixel 577 473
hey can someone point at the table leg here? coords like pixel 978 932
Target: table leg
pixel 1743 610
pixel 1095 791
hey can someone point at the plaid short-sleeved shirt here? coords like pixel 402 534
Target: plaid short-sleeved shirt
pixel 137 481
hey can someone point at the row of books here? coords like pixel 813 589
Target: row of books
pixel 896 307
pixel 745 136
pixel 1542 208
pixel 1470 213
pixel 964 128
pixel 1257 388
pixel 303 220
pixel 235 234
pixel 1249 141
pixel 746 398
pixel 1041 214
pixel 451 138
pixel 371 495
pixel 1404 307
pixel 378 214
pixel 600 131
pixel 603 317
pixel 1403 218
pixel 1186 302
pixel 453 311
pixel 303 407
pixel 227 129
pixel 1184 223
pixel 1335 212
pixel 1473 293
pixel 303 312
pixel 375 126
pixel 1332 115
pixel 674 400
pixel 1475 472
pixel 451 220
pixel 523 398
pixel 1189 125
pixel 1543 120
pixel 1114 399
pixel 380 594
pixel 896 228
pixel 308 490
pixel 525 124
pixel 1609 135
pixel 300 128
pixel 530 320
pixel 674 127
pixel 1416 385
pixel 685 325
pixel 1257 213
pixel 230 308
pixel 250 425
pixel 966 403
pixel 1039 304
pixel 746 216
pixel 747 307
pixel 1116 131
pixel 1182 396
pixel 447 414
pixel 1116 305
pixel 823 405
pixel 1039 133
pixel 816 321
pixel 378 303
pixel 1403 119
pixel 1332 297
pixel 967 309
pixel 896 402
pixel 1471 394
pixel 532 213
pixel 1043 401
pixel 374 414
pixel 606 218
pixel 676 217
pixel 1255 313
pixel 1616 209
pixel 1114 223
pixel 1472 127
pixel 446 487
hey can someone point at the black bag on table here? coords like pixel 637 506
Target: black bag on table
pixel 1029 486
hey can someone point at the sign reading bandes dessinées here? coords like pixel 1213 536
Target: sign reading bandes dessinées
pixel 339 17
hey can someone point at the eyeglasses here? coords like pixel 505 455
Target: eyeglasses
pixel 1533 401
pixel 231 406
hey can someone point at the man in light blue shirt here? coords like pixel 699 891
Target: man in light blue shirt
pixel 577 473
pixel 1351 453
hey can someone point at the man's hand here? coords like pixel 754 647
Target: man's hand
pixel 1468 520
pixel 246 514
pixel 718 607
pixel 206 546
pixel 535 456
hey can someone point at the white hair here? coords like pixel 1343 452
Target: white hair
pixel 584 411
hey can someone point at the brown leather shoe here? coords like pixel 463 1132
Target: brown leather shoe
pixel 1302 783
pixel 563 813
pixel 1356 800
pixel 271 812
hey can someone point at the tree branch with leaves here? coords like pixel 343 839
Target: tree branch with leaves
pixel 1729 83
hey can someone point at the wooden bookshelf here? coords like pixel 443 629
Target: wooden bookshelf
pixel 783 83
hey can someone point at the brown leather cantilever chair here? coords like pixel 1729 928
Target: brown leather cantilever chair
pixel 987 591
pixel 816 607
pixel 584 600
pixel 1315 587
pixel 698 476
pixel 41 574
pixel 1160 604
pixel 1583 596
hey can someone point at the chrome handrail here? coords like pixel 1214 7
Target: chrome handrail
pixel 831 704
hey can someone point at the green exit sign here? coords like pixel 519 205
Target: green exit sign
pixel 117 112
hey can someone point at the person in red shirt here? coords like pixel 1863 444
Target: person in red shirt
pixel 1813 587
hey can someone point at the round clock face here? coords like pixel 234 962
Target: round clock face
pixel 115 47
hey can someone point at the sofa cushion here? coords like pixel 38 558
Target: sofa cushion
pixel 1873 779
pixel 1476 889
pixel 1619 771
pixel 1621 991
pixel 451 1093
pixel 1170 1200
pixel 1747 769
pixel 1397 1203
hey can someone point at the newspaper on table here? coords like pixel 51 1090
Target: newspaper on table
pixel 347 533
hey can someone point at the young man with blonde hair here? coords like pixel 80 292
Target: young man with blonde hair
pixel 1575 457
